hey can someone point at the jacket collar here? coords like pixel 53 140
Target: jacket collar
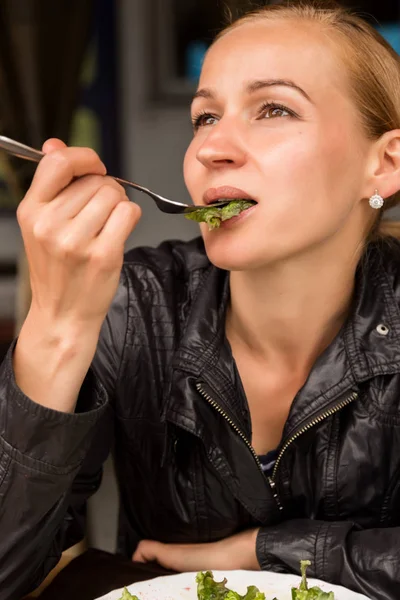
pixel 204 350
pixel 372 333
pixel 359 352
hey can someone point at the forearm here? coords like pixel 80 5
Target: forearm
pixel 363 560
pixel 41 451
pixel 31 547
pixel 51 360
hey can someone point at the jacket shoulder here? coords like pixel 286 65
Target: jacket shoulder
pixel 153 297
pixel 387 252
pixel 181 258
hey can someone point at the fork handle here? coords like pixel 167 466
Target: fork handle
pixel 28 153
pixel 20 150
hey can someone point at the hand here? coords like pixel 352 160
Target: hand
pixel 74 222
pixel 235 552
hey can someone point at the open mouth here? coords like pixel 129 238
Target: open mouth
pixel 225 193
pixel 225 201
pixel 214 216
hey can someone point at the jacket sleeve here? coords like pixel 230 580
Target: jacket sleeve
pixel 51 462
pixel 366 561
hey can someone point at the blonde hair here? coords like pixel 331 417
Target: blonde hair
pixel 373 66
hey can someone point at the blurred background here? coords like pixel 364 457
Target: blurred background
pixel 117 76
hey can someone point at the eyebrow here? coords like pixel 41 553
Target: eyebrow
pixel 256 85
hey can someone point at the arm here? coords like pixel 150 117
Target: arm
pixel 41 453
pixel 74 222
pixel 51 462
pixel 367 561
pixel 74 227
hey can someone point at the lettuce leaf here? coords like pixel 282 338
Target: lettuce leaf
pixel 209 589
pixel 303 592
pixel 126 595
pixel 214 216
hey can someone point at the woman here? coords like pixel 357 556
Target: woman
pixel 282 336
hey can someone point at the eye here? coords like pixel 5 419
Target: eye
pixel 202 119
pixel 272 110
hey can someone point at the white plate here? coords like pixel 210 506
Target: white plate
pixel 183 586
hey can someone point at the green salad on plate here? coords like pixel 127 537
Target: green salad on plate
pixel 209 589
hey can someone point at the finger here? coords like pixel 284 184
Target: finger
pixel 148 551
pixel 119 226
pixel 78 194
pixel 93 217
pixel 58 168
pixel 53 144
pixel 179 557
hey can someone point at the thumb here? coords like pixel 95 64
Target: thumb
pixel 53 144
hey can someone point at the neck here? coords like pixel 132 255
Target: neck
pixel 287 313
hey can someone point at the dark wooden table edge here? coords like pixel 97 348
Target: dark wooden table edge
pixel 95 573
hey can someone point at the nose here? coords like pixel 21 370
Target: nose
pixel 222 147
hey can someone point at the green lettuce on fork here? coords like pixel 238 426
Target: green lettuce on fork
pixel 209 589
pixel 214 216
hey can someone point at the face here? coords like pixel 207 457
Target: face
pixel 274 121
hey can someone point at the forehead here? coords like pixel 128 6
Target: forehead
pixel 275 49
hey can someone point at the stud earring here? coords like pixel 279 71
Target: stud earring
pixel 376 201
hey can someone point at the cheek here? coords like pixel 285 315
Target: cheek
pixel 340 157
pixel 283 156
pixel 311 164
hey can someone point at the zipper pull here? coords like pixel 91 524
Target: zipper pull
pixel 275 492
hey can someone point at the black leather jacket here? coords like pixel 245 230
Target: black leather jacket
pixel 165 394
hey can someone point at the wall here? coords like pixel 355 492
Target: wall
pixel 154 138
pixel 10 246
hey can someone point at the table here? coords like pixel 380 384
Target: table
pixel 95 573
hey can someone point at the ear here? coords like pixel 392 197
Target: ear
pixel 385 165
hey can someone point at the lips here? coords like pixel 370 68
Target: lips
pixel 225 192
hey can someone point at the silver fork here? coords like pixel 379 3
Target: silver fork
pixel 164 204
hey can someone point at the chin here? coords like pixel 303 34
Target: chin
pixel 230 253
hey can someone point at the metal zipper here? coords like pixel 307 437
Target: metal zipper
pixel 353 396
pixel 271 480
pixel 217 407
pixel 236 429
